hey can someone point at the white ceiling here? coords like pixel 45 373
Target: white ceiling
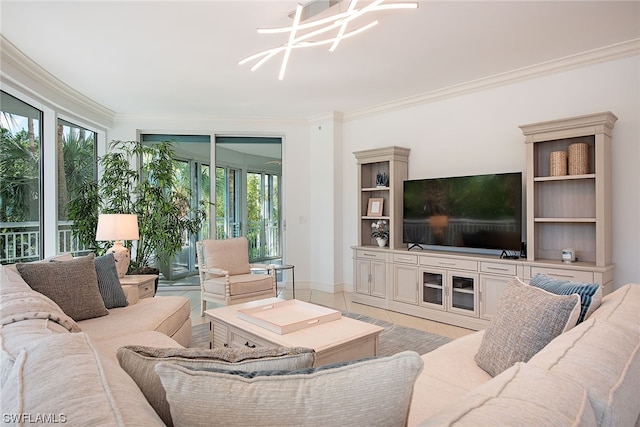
pixel 179 57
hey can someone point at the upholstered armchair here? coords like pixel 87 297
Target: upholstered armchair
pixel 226 276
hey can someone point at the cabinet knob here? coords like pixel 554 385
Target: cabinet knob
pixel 250 345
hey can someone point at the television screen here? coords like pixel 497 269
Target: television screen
pixel 479 211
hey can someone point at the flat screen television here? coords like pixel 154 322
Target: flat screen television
pixel 477 213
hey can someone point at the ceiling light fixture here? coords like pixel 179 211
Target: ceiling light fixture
pixel 298 38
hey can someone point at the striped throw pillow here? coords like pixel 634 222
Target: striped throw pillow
pixel 590 293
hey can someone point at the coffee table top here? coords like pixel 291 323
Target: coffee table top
pixel 319 337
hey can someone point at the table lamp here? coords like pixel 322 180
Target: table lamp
pixel 118 227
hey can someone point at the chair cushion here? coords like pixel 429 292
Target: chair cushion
pixel 227 254
pixel 374 391
pixel 240 284
pixel 139 362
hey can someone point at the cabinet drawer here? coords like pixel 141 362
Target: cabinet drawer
pixel 558 273
pixel 371 255
pixel 146 291
pixel 496 268
pixel 458 264
pixel 240 339
pixel 405 259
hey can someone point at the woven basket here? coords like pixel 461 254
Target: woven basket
pixel 578 159
pixel 558 163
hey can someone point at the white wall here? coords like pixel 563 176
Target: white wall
pixel 478 133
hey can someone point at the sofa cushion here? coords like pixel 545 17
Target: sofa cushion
pixel 165 314
pixel 376 392
pixel 63 376
pixel 73 285
pixel 590 293
pixel 621 306
pixel 605 359
pixel 139 362
pixel 527 319
pixel 108 282
pixel 450 371
pixel 520 396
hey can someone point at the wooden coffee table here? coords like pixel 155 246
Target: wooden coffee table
pixel 335 341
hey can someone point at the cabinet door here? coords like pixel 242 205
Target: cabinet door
pixel 363 276
pixel 491 287
pixel 433 291
pixel 463 295
pixel 405 283
pixel 378 284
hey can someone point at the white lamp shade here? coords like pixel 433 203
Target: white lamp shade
pixel 117 227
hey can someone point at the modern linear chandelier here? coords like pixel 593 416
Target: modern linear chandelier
pixel 301 34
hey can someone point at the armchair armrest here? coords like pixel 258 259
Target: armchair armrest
pixel 217 271
pixel 262 267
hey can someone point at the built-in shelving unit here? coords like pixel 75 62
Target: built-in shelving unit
pixel 570 211
pixel 392 162
pixel 567 211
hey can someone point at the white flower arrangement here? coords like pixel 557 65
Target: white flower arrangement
pixel 380 230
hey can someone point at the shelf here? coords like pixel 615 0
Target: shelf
pixel 375 189
pixel 432 286
pixel 463 291
pixel 563 177
pixel 375 217
pixel 566 220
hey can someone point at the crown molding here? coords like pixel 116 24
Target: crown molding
pixel 28 75
pixel 609 53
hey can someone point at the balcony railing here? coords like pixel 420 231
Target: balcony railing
pixel 261 247
pixel 20 241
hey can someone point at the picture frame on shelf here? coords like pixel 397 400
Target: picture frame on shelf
pixel 375 206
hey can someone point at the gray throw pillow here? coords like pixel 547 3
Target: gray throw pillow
pixel 108 282
pixel 73 285
pixel 139 362
pixel 526 320
pixel 373 392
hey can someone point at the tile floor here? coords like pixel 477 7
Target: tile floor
pixel 339 301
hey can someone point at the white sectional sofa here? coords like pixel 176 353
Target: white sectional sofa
pixel 589 375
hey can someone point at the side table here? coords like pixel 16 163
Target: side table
pixel 282 267
pixel 144 282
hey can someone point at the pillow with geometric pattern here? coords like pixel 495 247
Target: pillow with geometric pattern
pixel 590 293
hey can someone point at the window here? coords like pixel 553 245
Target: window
pixel 20 191
pixel 77 165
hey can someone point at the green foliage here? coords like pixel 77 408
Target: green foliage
pixel 19 168
pixel 154 193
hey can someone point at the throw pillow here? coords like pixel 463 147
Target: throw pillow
pixel 73 285
pixel 374 391
pixel 108 282
pixel 526 320
pixel 139 362
pixel 590 293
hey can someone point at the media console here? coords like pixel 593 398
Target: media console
pixel 454 288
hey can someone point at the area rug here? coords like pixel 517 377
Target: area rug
pixel 393 339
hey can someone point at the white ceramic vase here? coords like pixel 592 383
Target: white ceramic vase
pixel 381 242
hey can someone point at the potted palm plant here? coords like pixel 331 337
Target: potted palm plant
pixel 164 213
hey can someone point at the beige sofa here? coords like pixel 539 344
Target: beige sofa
pixel 587 376
pixel 50 375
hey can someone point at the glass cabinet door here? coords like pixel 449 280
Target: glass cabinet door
pixel 463 294
pixel 433 288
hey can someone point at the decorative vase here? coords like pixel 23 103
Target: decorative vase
pixel 381 242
